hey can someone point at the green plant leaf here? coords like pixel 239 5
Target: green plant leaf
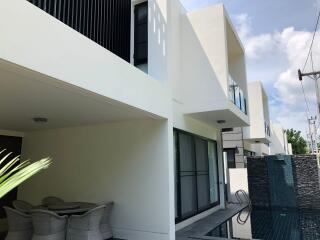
pixel 12 176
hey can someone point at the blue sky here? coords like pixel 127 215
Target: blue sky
pixel 277 36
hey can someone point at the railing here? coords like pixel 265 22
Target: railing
pixel 246 197
pixel 267 129
pixel 236 95
pixel 107 22
pixel 247 213
pixel 247 210
pixel 247 200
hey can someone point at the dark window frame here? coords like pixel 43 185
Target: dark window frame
pixel 178 176
pixel 136 43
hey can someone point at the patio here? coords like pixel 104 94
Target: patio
pixel 102 149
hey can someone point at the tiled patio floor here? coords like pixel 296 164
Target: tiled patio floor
pixel 199 229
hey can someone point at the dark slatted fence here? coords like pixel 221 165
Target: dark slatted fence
pixel 107 22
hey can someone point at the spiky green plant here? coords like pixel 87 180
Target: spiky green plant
pixel 13 173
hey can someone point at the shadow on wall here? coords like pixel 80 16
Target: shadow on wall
pixel 157 39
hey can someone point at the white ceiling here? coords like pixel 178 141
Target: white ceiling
pixel 25 94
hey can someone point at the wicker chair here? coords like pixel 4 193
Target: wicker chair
pixel 48 225
pixel 52 201
pixel 105 227
pixel 22 206
pixel 20 225
pixel 86 226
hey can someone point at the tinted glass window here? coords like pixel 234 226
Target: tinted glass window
pixel 196 167
pixel 141 34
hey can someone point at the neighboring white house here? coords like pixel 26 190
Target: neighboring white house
pixel 258 136
pixel 259 139
pixel 239 143
pixel 279 141
pixel 138 136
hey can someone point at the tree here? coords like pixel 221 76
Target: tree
pixel 299 144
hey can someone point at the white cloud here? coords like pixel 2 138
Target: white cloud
pixel 287 104
pixel 316 4
pixel 295 45
pixel 243 26
pixel 255 46
pixel 258 45
pixel 292 110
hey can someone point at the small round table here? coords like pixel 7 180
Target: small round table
pixel 70 208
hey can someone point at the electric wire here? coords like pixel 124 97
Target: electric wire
pixel 306 100
pixel 312 41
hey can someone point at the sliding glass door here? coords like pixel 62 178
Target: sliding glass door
pixel 196 166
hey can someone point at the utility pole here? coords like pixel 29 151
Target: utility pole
pixel 315 76
pixel 313 134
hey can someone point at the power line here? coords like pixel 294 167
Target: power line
pixel 306 101
pixel 310 49
pixel 312 61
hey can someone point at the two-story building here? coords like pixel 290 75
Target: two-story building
pixel 129 99
pixel 261 138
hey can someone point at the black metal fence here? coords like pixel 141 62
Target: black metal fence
pixel 107 22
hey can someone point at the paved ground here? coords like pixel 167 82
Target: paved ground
pixel 200 228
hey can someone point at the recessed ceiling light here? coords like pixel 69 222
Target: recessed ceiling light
pixel 221 121
pixel 40 120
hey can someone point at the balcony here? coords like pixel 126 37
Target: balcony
pixel 42 57
pixel 236 95
pixel 98 20
pixel 211 53
pixel 259 130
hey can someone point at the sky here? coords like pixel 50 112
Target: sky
pixel 277 35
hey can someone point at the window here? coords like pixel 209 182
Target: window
pixel 141 34
pixel 248 153
pixel 231 157
pixel 197 178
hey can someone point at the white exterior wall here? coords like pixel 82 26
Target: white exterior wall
pixel 204 53
pixel 128 162
pixel 290 152
pixel 158 34
pixel 89 66
pixel 238 180
pixel 258 112
pixel 176 78
pixel 205 57
pixel 279 143
pixel 124 162
pixel 260 149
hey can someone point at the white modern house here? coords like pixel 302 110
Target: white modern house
pixel 129 99
pixel 258 136
pixel 254 140
pixel 261 138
